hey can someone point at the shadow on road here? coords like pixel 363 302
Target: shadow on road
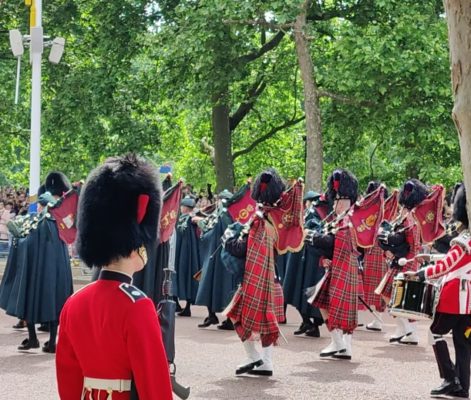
pixel 332 371
pixel 243 387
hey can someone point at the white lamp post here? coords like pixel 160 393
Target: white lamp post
pixel 36 43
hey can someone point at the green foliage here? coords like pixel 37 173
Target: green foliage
pixel 141 76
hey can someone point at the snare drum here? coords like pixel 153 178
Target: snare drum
pixel 413 299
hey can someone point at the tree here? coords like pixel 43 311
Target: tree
pixel 458 13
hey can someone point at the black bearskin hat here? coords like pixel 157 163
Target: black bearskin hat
pixel 373 185
pixel 119 210
pixel 268 187
pixel 412 193
pixel 342 184
pixel 57 183
pixel 459 205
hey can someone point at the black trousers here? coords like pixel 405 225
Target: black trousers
pixel 457 324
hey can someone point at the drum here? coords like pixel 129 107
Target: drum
pixel 413 299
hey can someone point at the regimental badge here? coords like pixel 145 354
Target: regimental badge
pixel 429 217
pixel 168 218
pixel 245 213
pixel 368 223
pixel 287 219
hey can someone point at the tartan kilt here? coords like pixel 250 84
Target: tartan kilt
pixel 344 283
pixel 322 299
pixel 258 304
pixel 374 269
pixel 389 277
pixel 279 303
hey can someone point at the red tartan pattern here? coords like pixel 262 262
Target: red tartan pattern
pixel 257 306
pixel 375 268
pixel 413 238
pixel 322 299
pixel 342 288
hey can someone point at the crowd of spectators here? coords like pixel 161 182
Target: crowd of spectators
pixel 13 201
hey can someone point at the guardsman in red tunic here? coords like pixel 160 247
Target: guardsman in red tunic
pixel 453 311
pixel 110 341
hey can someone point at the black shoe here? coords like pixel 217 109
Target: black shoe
pixel 20 325
pixel 460 393
pixel 44 328
pixel 313 332
pixel 303 328
pixel 178 307
pixel 447 387
pixel 248 367
pixel 208 321
pixel 186 312
pixel 48 349
pixel 27 345
pixel 259 372
pixel 227 325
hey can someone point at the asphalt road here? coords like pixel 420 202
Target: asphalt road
pixel 206 360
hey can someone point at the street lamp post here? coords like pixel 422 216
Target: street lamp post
pixel 36 44
pixel 36 58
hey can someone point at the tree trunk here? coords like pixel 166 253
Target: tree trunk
pixel 458 14
pixel 314 149
pixel 222 143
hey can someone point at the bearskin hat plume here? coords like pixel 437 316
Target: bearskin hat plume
pixel 459 205
pixel 342 184
pixel 119 210
pixel 57 183
pixel 268 187
pixel 412 193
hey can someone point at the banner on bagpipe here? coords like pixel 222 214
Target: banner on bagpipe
pixel 391 206
pixel 287 220
pixel 429 215
pixel 366 216
pixel 64 212
pixel 170 208
pixel 241 206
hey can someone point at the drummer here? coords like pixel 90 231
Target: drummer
pixel 453 310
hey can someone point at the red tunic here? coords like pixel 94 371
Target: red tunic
pixel 110 330
pixel 454 297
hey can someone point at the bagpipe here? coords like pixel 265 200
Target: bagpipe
pixel 392 237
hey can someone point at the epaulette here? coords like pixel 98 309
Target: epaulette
pixel 463 240
pixel 132 292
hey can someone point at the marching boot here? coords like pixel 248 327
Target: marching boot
pixel 313 331
pixel 226 325
pixel 374 326
pixel 266 369
pixel 446 368
pixel 304 327
pixel 211 319
pixel 347 355
pixel 186 312
pixel 447 387
pixel 411 336
pixel 32 342
pixel 337 344
pixel 253 358
pixel 400 331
